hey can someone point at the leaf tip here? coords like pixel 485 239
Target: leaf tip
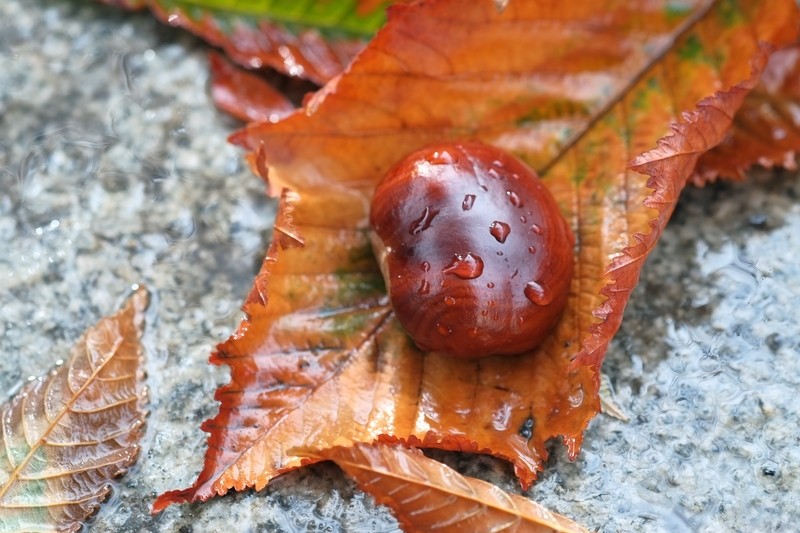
pixel 240 137
pixel 168 498
pixel 140 297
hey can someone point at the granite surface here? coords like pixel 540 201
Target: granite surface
pixel 114 170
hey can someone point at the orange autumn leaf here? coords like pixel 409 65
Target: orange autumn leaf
pixel 66 435
pixel 612 102
pixel 427 495
pixel 766 130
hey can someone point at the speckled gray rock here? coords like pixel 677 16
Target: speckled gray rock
pixel 114 170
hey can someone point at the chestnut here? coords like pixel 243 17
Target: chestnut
pixel 476 255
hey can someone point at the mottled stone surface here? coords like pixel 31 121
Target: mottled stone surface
pixel 114 170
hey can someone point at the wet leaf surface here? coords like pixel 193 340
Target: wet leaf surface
pixel 312 40
pixel 766 130
pixel 245 95
pixel 66 435
pixel 613 113
pixel 427 495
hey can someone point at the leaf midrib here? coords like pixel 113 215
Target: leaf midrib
pixel 676 36
pixel 388 471
pixel 380 324
pixel 15 474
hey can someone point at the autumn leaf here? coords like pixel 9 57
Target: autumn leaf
pixel 66 435
pixel 766 130
pixel 245 95
pixel 612 102
pixel 311 40
pixel 427 495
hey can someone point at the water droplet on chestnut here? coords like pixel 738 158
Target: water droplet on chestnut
pixel 514 199
pixel 424 287
pixel 500 231
pixel 467 266
pixel 485 303
pixel 424 221
pixel 441 157
pixel 537 294
pixel 468 202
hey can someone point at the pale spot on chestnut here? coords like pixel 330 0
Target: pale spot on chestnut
pixel 476 255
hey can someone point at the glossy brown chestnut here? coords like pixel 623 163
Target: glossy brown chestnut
pixel 476 255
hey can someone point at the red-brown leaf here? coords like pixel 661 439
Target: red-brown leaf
pixel 577 93
pixel 259 42
pixel 766 130
pixel 67 435
pixel 427 495
pixel 245 95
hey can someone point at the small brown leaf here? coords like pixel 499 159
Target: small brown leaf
pixel 427 495
pixel 66 435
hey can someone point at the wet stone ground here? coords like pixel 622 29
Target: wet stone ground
pixel 114 170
